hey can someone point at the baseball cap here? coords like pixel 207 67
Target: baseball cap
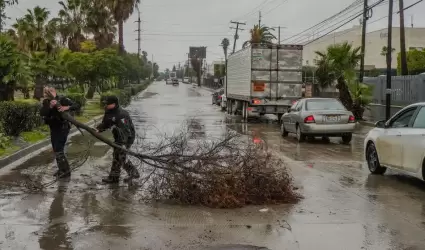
pixel 111 100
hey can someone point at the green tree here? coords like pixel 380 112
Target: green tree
pixel 339 63
pixel 13 69
pixel 415 61
pixel 72 22
pixel 3 16
pixel 36 31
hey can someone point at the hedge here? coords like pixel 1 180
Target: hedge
pixel 19 116
pixel 124 96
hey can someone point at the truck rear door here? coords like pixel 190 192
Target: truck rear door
pixel 276 72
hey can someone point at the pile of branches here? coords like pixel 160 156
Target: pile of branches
pixel 227 172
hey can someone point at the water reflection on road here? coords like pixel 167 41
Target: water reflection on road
pixel 343 207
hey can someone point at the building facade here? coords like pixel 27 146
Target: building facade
pixel 375 41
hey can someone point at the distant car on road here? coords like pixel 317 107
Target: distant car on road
pixel 398 143
pixel 168 81
pixel 325 117
pixel 186 80
pixel 216 96
pixel 175 82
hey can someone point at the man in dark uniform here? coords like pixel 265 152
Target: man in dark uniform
pixel 59 128
pixel 124 135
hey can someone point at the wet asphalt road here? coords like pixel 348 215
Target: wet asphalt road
pixel 344 207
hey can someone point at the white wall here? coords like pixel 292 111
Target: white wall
pixel 375 40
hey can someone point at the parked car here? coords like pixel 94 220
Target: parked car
pixel 168 81
pixel 223 102
pixel 216 96
pixel 175 82
pixel 398 143
pixel 325 117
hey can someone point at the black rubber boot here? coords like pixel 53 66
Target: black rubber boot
pixel 111 179
pixel 63 165
pixel 131 171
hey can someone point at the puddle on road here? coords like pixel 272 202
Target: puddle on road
pixel 86 215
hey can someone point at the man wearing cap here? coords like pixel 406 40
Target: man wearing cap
pixel 59 128
pixel 124 135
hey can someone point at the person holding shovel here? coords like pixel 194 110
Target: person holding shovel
pixel 124 135
pixel 52 105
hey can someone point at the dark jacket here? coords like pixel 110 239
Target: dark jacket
pixel 122 126
pixel 52 116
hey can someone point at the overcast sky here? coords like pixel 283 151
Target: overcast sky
pixel 170 27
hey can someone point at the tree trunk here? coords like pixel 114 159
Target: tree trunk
pixel 7 92
pixel 90 91
pixel 344 94
pixel 38 89
pixel 121 36
pixel 26 93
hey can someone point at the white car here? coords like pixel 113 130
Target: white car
pixel 398 143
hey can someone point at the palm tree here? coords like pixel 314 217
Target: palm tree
pixel 72 23
pixel 339 63
pixel 100 22
pixel 121 11
pixel 225 44
pixel 385 49
pixel 260 35
pixel 36 32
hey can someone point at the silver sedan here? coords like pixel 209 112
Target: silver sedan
pixel 325 117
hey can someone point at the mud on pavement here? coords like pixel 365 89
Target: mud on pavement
pixel 343 206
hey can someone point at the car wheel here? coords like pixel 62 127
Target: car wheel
pixel 283 130
pixel 373 160
pixel 300 135
pixel 325 139
pixel 346 139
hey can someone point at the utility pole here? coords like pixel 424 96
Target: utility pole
pixel 389 50
pixel 138 37
pixel 363 48
pixel 278 32
pixel 259 19
pixel 236 33
pixel 403 59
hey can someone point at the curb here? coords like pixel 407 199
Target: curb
pixel 39 145
pixel 367 123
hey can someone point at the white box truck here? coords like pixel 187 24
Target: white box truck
pixel 264 79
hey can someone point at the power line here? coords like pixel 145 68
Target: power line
pixel 351 19
pixel 320 28
pixel 374 21
pixel 253 10
pixel 301 41
pixel 354 4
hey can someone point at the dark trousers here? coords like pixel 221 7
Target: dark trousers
pixel 58 138
pixel 120 161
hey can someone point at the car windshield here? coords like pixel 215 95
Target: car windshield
pixel 325 104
